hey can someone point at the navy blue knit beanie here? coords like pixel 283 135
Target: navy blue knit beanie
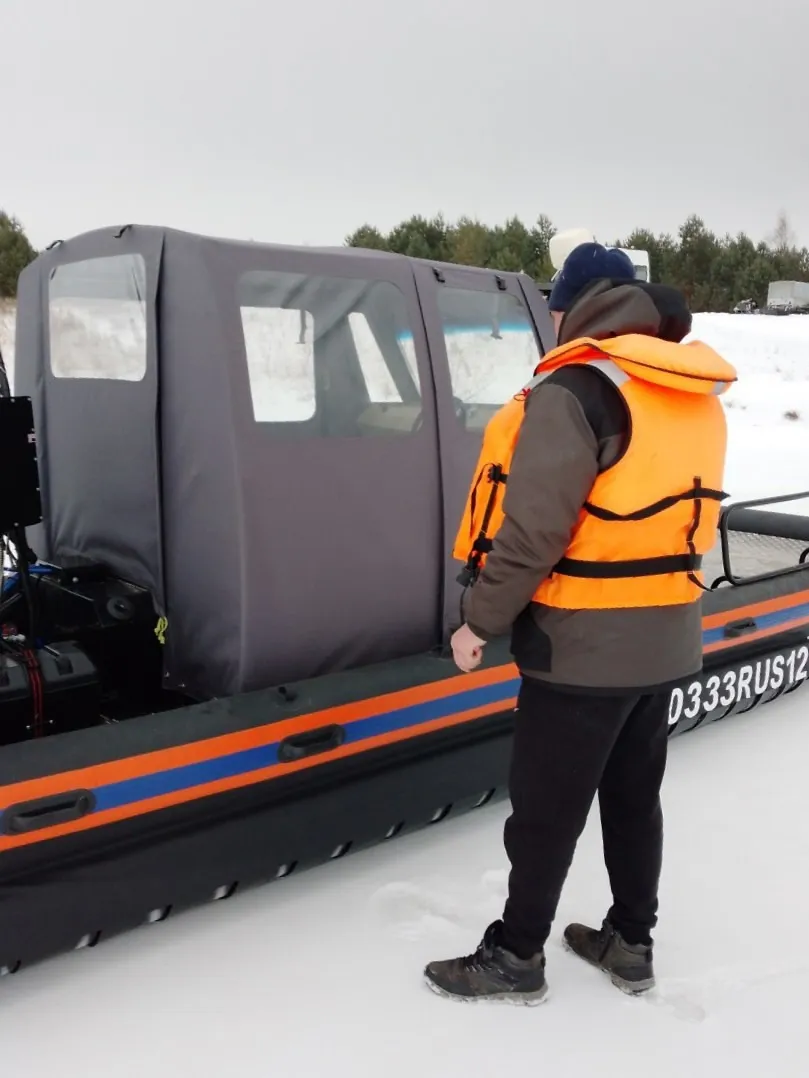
pixel 587 263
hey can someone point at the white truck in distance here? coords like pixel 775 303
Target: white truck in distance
pixel 788 296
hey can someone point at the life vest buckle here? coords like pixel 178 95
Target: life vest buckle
pixel 467 576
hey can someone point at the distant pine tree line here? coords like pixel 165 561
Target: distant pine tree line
pixel 714 272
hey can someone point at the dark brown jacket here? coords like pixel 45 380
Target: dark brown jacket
pixel 575 426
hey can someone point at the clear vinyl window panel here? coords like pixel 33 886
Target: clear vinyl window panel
pixel 491 348
pixel 97 320
pixel 332 356
pixel 280 363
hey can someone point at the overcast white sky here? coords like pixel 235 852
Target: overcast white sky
pixel 298 121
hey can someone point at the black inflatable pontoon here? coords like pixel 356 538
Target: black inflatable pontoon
pixel 229 662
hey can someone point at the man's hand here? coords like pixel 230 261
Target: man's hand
pixel 467 649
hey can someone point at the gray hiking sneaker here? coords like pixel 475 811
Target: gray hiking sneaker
pixel 490 973
pixel 629 966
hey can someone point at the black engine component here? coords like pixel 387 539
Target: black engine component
pixel 77 646
pixel 20 502
pixel 113 622
pixel 52 690
pixel 91 657
pixel 77 599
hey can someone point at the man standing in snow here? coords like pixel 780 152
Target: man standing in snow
pixel 614 472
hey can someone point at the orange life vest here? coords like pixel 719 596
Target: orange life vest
pixel 650 517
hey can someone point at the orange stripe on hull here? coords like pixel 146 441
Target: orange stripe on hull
pixel 159 762
pixel 33 789
pixel 761 634
pixel 765 606
pixel 212 748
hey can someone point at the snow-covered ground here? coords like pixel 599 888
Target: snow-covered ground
pixel 320 974
pixel 768 409
pixel 772 355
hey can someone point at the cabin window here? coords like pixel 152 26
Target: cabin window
pixel 491 348
pixel 280 363
pixel 97 318
pixel 329 356
pixel 379 381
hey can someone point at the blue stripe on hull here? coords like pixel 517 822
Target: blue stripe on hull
pixel 241 764
pixel 117 794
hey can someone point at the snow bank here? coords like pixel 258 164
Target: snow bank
pixel 771 355
pixel 768 409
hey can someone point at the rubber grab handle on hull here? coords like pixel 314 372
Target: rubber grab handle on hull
pixel 299 746
pixel 30 816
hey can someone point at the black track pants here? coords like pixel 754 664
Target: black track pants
pixel 566 748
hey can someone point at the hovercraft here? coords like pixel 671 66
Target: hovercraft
pixel 232 476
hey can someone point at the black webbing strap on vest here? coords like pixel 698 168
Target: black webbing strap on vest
pixel 482 544
pixel 688 563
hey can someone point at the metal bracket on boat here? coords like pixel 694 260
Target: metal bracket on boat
pixel 748 525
